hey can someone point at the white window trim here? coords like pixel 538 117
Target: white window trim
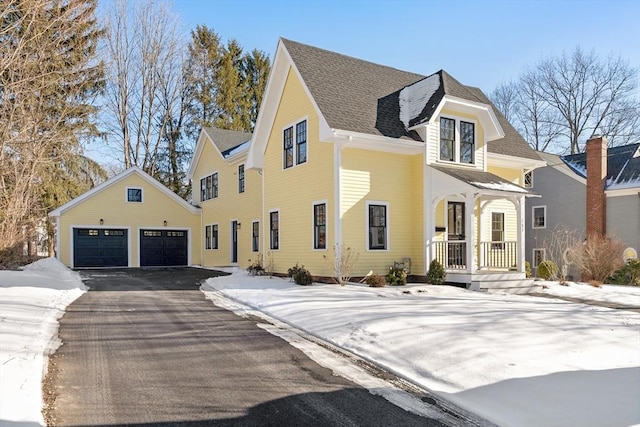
pixel 126 194
pixel 205 237
pixel 200 188
pixel 326 224
pixel 295 143
pixel 533 256
pixel 504 227
pixel 456 141
pixel 255 221
pixel 533 217
pixel 387 226
pixel 279 230
pixel 524 174
pixel 244 170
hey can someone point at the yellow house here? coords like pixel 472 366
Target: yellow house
pixel 130 220
pixel 390 165
pixel 230 197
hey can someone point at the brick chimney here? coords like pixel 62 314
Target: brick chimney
pixel 596 179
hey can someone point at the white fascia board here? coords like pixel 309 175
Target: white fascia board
pixel 488 119
pixel 632 191
pixel 197 153
pixel 270 103
pixel 376 142
pixel 236 158
pixel 112 181
pixel 503 160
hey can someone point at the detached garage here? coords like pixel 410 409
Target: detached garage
pixel 131 220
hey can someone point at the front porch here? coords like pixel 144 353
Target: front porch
pixel 496 268
pixel 476 229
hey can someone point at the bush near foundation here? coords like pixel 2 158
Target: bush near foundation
pixel 436 274
pixel 548 270
pixel 300 275
pixel 376 281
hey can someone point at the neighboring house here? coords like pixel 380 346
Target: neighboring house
pixel 393 165
pixel 130 220
pixel 596 192
pixel 230 197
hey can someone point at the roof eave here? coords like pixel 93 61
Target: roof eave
pixel 488 119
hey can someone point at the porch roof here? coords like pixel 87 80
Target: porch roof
pixel 475 179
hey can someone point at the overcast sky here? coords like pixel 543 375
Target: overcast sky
pixel 481 43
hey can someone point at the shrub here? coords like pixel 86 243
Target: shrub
pixel 300 275
pixel 256 268
pixel 527 269
pixel 436 274
pixel 375 281
pixel 548 270
pixel 627 275
pixel 396 276
pixel 598 258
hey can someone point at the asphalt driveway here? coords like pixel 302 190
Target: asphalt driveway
pixel 144 347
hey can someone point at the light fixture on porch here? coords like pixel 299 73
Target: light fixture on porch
pixel 101 221
pixel 165 222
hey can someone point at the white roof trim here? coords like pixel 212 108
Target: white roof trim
pixel 632 191
pixel 488 119
pixel 270 103
pixel 367 141
pixel 202 140
pixel 114 180
pixel 504 160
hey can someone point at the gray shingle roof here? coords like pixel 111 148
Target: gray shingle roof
pixel 623 165
pixel 362 96
pixel 226 140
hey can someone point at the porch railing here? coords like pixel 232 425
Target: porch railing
pixel 452 254
pixel 498 255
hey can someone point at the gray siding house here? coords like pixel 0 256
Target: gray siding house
pixel 610 207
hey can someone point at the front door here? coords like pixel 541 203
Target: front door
pixel 234 241
pixel 456 235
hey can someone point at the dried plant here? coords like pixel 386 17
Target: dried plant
pixel 597 258
pixel 342 263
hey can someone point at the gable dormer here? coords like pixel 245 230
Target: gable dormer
pixel 450 118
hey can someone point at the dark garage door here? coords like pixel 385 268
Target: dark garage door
pixel 100 247
pixel 163 248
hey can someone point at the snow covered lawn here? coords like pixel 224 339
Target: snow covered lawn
pixel 31 302
pixel 515 360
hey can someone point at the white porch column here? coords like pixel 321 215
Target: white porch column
pixel 469 227
pixel 520 206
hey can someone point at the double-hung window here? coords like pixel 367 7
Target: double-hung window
pixel 295 144
pixel 274 230
pixel 539 217
pixel 377 224
pixel 457 140
pixel 320 226
pixel 209 187
pixel 241 179
pixel 211 236
pixel 497 230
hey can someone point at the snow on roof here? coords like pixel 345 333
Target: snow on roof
pixel 501 186
pixel 414 98
pixel 237 149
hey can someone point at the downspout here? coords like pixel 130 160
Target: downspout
pixel 262 235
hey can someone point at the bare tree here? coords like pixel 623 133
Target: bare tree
pixel 563 101
pixel 49 77
pixel 144 72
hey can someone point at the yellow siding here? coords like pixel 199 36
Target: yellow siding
pixel 511 175
pixel 292 191
pixel 230 205
pixel 396 180
pixel 111 206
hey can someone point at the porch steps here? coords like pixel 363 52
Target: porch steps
pixel 514 286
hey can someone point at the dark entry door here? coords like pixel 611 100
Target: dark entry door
pixel 163 248
pixel 100 247
pixel 234 241
pixel 456 235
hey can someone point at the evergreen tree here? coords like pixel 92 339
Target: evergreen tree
pixel 49 77
pixel 231 99
pixel 255 73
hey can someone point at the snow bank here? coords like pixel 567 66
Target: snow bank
pixel 515 360
pixel 31 302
